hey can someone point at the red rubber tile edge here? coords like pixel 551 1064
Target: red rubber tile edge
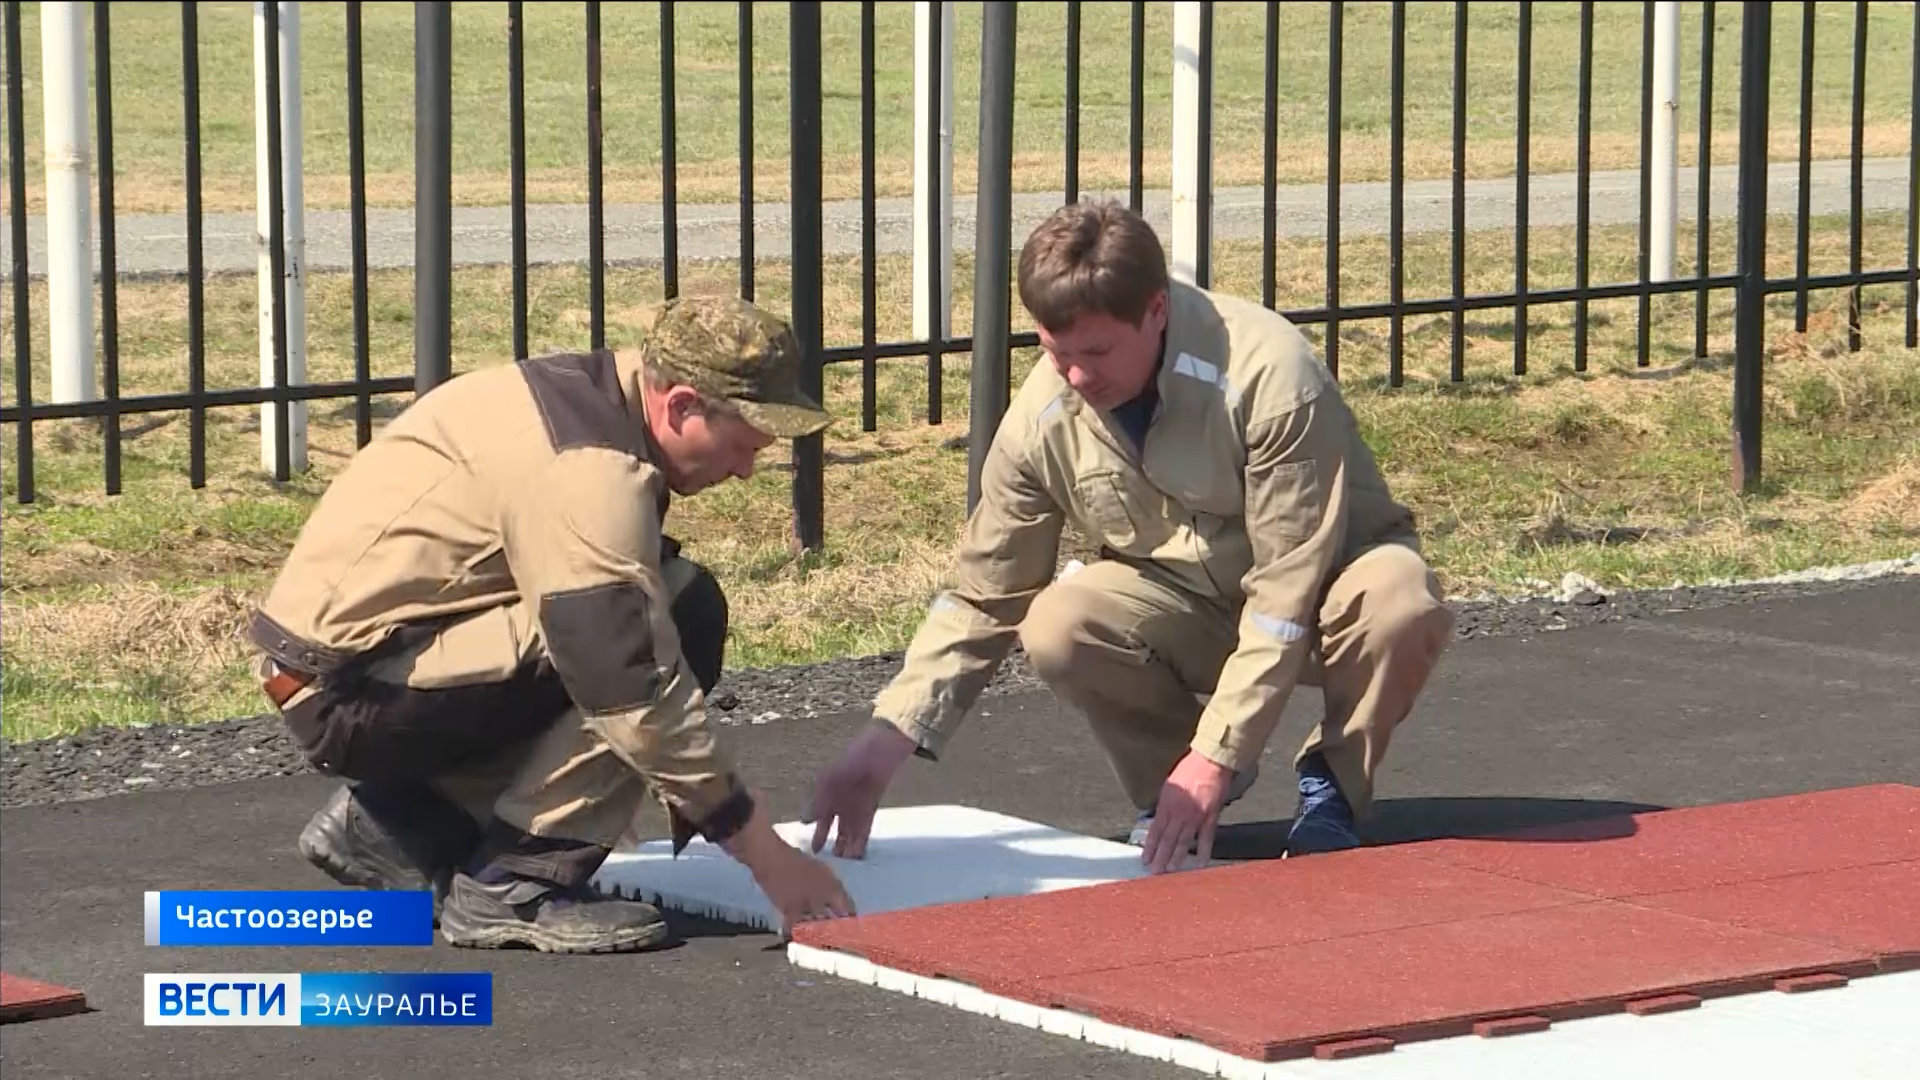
pixel 1665 1003
pixel 1511 1025
pixel 29 999
pixel 1352 1048
pixel 1800 984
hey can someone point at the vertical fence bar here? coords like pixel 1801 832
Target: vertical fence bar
pixel 1270 158
pixel 1703 214
pixel 937 256
pixel 517 166
pixel 1397 189
pixel 17 222
pixel 1203 172
pixel 109 256
pixel 277 237
pixel 596 191
pixel 357 202
pixel 1522 152
pixel 1073 102
pixel 1750 329
pixel 1583 182
pixel 669 186
pixel 993 216
pixel 1644 328
pixel 196 247
pixel 433 195
pixel 1856 209
pixel 1913 195
pixel 1137 109
pixel 869 227
pixel 746 148
pixel 1805 210
pixel 1457 371
pixel 1336 20
pixel 809 461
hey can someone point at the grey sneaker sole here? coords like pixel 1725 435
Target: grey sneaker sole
pixel 508 935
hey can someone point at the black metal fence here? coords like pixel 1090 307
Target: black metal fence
pixel 992 337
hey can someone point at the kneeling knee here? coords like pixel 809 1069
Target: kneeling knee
pixel 1053 634
pixel 1420 622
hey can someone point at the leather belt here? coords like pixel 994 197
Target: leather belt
pixel 284 684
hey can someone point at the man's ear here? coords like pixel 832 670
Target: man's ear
pixel 1156 314
pixel 681 403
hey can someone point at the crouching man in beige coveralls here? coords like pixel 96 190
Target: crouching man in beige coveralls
pixel 1247 544
pixel 484 627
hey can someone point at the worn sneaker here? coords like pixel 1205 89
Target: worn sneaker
pixel 367 838
pixel 1241 782
pixel 1324 822
pixel 504 912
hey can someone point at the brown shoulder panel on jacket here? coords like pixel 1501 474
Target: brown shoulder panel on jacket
pixel 578 397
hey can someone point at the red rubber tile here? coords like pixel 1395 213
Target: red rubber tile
pixel 30 999
pixel 1872 909
pixel 1700 847
pixel 1438 980
pixel 1247 906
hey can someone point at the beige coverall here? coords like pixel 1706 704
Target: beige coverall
pixel 493 564
pixel 1252 546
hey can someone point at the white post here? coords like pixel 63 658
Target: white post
pixel 69 147
pixel 1186 141
pixel 294 228
pixel 922 149
pixel 1666 138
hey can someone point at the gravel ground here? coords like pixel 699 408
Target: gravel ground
pixel 118 760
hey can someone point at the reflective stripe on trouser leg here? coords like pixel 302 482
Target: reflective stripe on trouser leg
pixel 1383 627
pixel 1129 653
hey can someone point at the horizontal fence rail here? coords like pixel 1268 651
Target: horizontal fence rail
pixel 1195 57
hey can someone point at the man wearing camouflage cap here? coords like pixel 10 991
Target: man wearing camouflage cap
pixel 484 628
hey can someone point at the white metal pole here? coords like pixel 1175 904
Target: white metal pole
pixel 1186 140
pixel 922 138
pixel 294 228
pixel 69 148
pixel 1666 138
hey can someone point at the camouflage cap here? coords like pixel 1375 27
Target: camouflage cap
pixel 728 348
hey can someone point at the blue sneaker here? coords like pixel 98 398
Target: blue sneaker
pixel 1324 821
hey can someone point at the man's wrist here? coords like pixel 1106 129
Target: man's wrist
pixel 900 745
pixel 747 844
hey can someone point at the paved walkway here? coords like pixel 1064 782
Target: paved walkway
pixel 151 245
pixel 1709 706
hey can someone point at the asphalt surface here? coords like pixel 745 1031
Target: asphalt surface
pixel 1787 692
pixel 156 245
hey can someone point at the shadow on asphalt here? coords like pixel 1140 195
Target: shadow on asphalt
pixel 1406 821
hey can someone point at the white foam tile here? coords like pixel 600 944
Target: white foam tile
pixel 916 856
pixel 1866 1030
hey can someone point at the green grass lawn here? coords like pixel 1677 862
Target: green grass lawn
pixel 149 126
pixel 128 608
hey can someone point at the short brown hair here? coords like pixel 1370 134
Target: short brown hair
pixel 1094 256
